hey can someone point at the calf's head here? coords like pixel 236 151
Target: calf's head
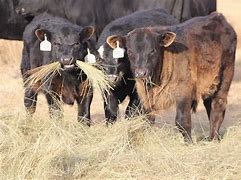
pixel 27 7
pixel 115 68
pixel 144 49
pixel 68 43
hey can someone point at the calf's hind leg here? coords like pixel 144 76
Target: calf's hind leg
pixel 219 100
pixel 218 107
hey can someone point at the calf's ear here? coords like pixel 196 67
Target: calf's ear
pixel 167 38
pixel 41 32
pixel 112 41
pixel 86 33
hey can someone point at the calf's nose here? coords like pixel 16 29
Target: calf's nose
pixel 112 77
pixel 19 10
pixel 141 73
pixel 67 60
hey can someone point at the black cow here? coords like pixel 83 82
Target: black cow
pixel 119 69
pixel 183 64
pixel 182 10
pixel 11 24
pixel 101 12
pixel 69 43
pixel 77 11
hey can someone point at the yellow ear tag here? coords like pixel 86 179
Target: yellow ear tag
pixel 90 58
pixel 118 52
pixel 45 45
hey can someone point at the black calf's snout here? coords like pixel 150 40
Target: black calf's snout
pixel 20 10
pixel 141 73
pixel 67 61
pixel 112 77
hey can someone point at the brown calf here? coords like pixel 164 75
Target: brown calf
pixel 182 64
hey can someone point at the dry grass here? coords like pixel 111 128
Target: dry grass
pixel 43 148
pixel 59 149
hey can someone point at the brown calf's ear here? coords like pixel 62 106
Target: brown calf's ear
pixel 40 34
pixel 112 41
pixel 86 33
pixel 167 38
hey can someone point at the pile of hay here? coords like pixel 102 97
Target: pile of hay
pixel 64 149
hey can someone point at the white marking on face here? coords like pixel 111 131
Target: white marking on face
pixel 68 66
pixel 101 51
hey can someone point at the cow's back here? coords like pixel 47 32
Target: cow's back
pixel 11 25
pixel 143 18
pixel 203 48
pixel 215 49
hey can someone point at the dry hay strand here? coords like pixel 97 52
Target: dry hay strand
pixel 97 78
pixel 42 74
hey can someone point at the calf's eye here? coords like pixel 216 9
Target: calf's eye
pixel 152 52
pixel 76 44
pixel 130 53
pixel 56 44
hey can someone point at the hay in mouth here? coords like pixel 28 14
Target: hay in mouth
pixel 42 74
pixel 95 75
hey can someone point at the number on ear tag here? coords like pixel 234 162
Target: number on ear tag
pixel 118 52
pixel 45 45
pixel 90 58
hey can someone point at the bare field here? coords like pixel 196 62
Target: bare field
pixel 44 148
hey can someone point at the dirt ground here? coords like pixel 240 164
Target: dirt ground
pixel 11 91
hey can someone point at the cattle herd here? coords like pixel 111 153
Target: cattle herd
pixel 156 52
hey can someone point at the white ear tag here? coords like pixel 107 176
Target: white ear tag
pixel 90 58
pixel 45 45
pixel 118 52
